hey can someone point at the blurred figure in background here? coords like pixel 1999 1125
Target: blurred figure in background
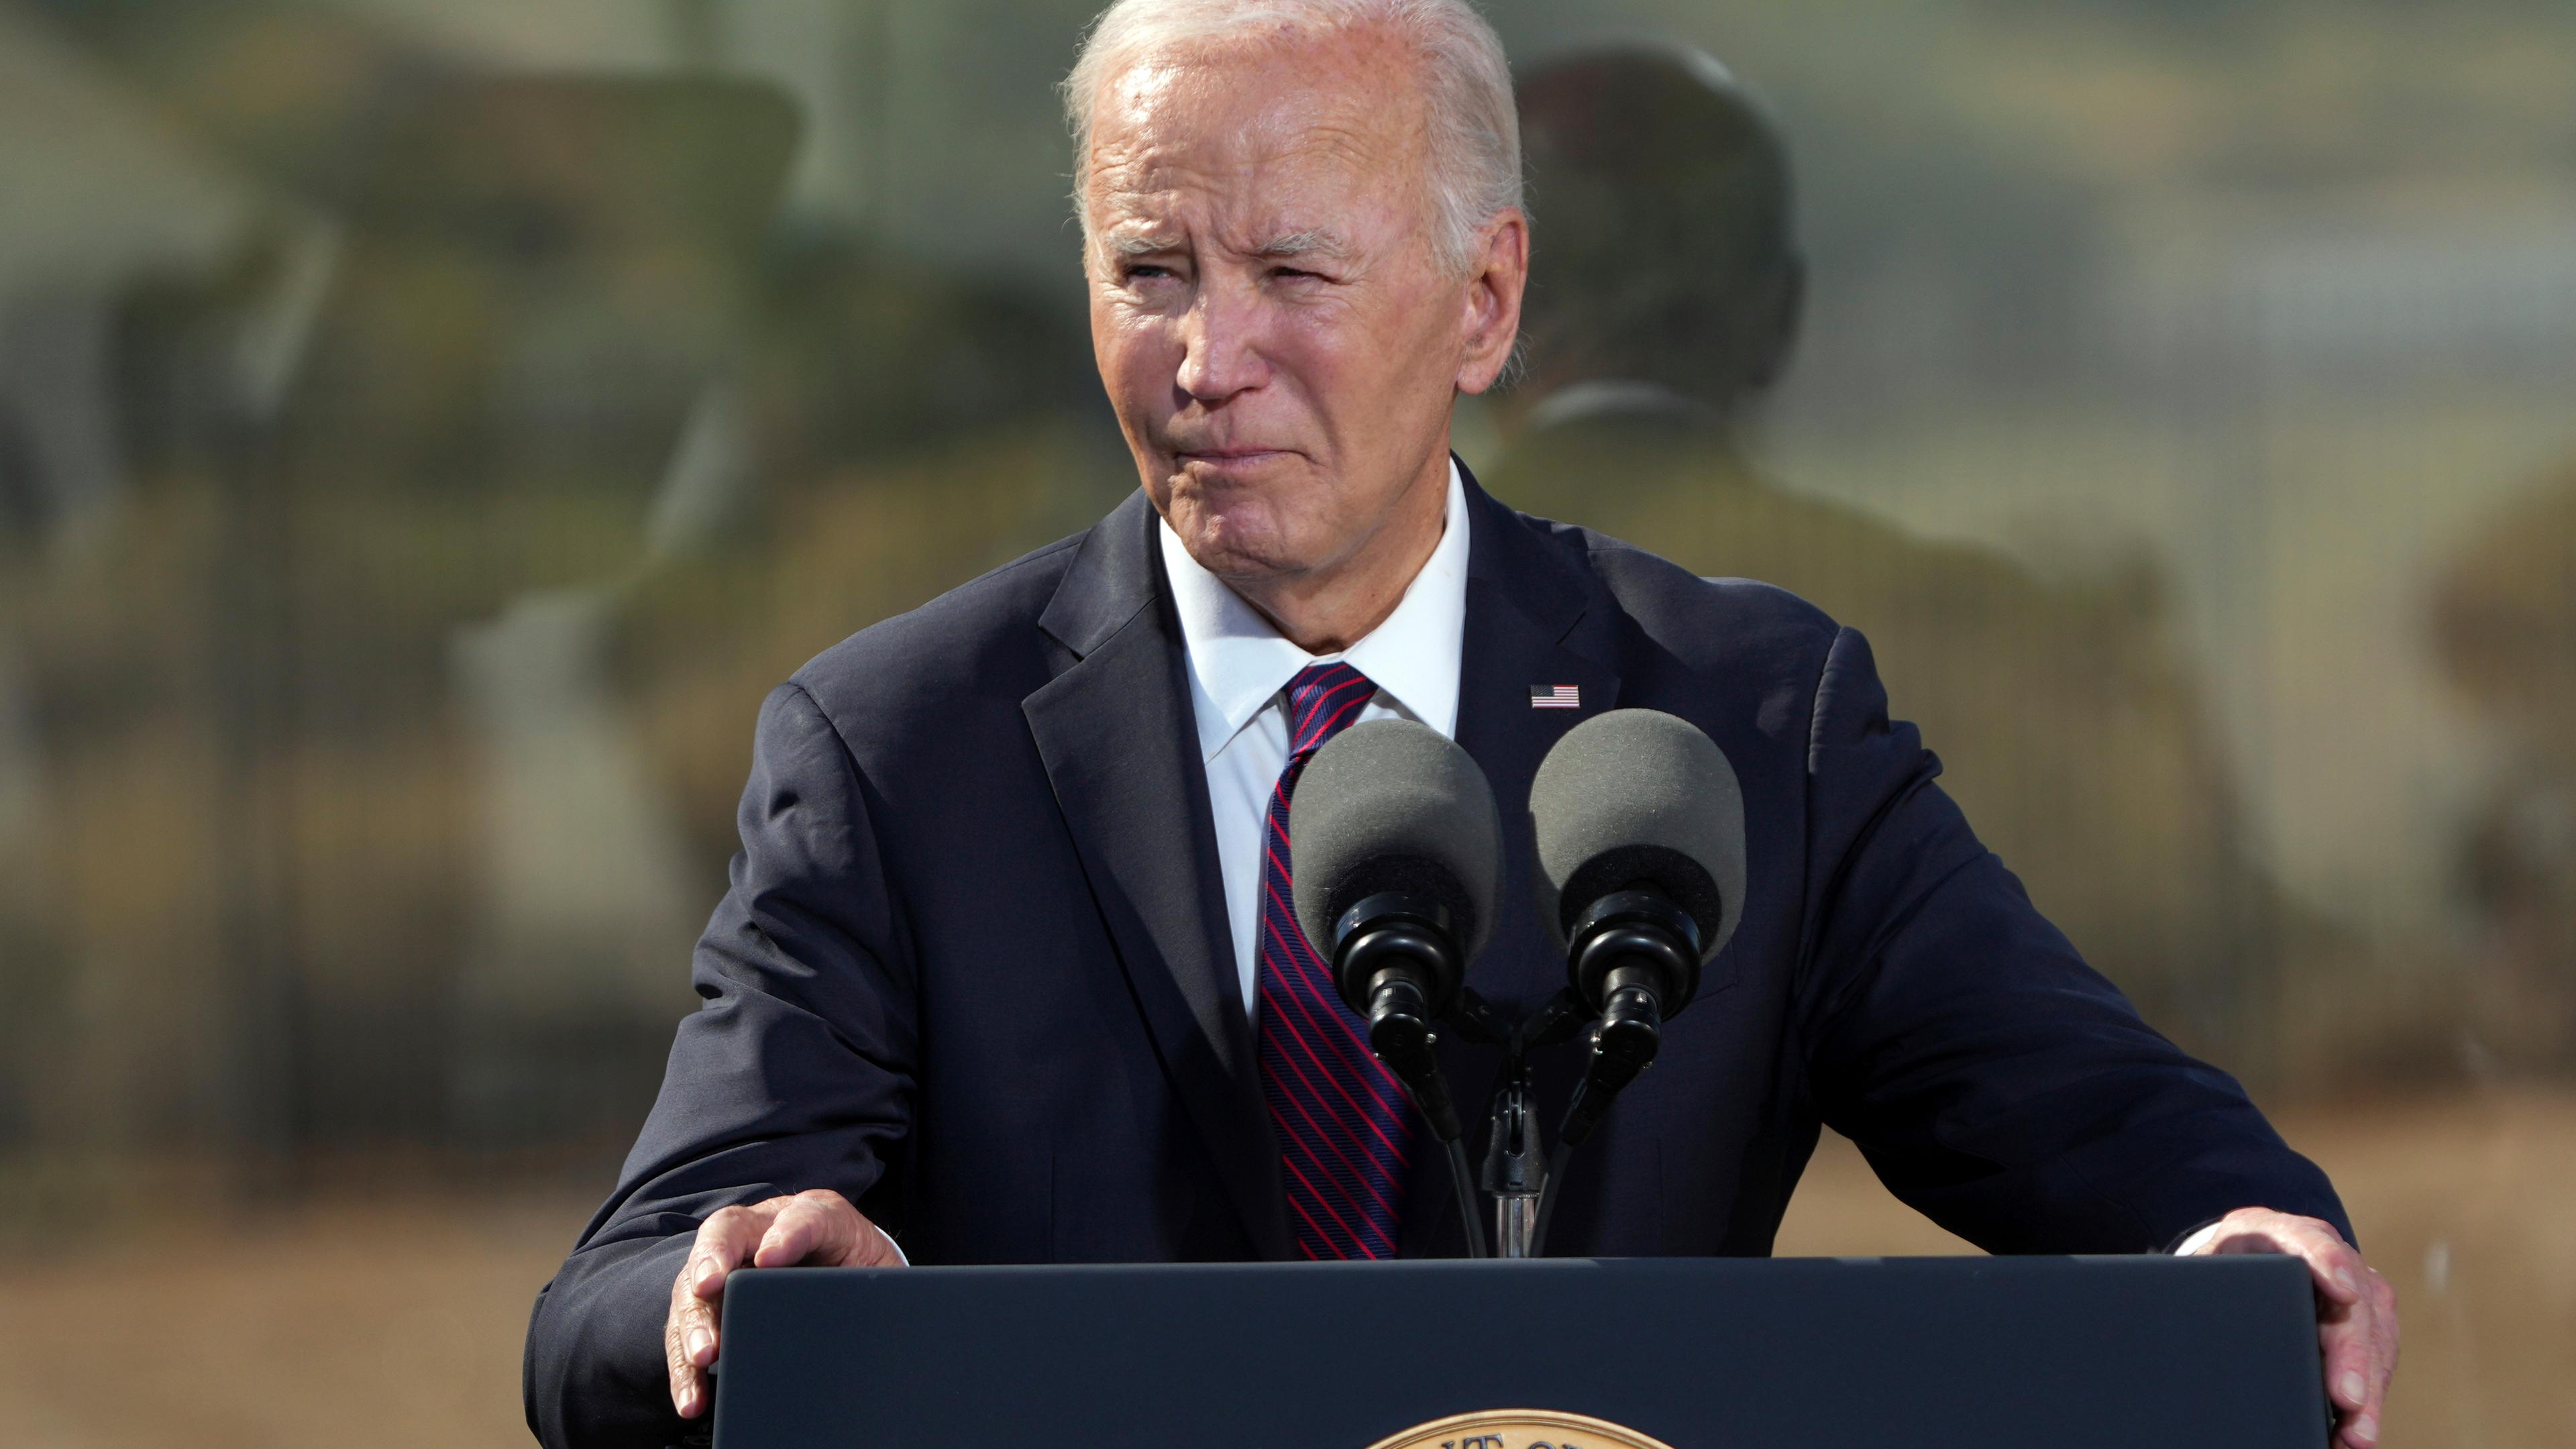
pixel 1667 302
pixel 354 851
pixel 2505 622
pixel 911 430
pixel 390 577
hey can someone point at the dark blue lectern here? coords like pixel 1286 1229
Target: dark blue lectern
pixel 1976 1353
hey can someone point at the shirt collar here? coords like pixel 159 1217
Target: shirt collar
pixel 1239 663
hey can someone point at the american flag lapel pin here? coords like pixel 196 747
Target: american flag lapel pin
pixel 1555 696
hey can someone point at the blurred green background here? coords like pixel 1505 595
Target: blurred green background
pixel 428 427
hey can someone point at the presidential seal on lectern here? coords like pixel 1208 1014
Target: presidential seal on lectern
pixel 1519 1429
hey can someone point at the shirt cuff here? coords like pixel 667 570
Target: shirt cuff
pixel 900 1255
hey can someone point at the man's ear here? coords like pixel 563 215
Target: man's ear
pixel 1491 313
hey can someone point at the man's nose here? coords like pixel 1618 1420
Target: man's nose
pixel 1222 353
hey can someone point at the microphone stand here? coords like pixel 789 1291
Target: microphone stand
pixel 1518 1169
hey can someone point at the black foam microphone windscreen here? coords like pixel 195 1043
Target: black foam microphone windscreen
pixel 1391 805
pixel 1637 796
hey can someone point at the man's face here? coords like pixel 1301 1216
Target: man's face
pixel 1274 325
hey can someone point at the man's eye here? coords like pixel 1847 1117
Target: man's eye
pixel 1295 274
pixel 1148 273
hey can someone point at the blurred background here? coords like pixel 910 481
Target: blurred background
pixel 428 428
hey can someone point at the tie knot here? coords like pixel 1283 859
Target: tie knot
pixel 1322 700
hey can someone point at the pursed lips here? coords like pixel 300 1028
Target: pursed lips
pixel 1234 454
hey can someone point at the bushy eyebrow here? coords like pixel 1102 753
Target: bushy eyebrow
pixel 1312 242
pixel 1142 246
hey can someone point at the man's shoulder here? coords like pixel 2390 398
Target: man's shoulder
pixel 978 641
pixel 1703 622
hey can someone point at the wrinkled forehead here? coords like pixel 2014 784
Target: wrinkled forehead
pixel 1265 130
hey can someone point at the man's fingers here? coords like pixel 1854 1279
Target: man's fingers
pixel 875 1249
pixel 2379 1310
pixel 2332 1262
pixel 688 1385
pixel 688 1346
pixel 2353 1383
pixel 2349 1364
pixel 2360 1344
pixel 2339 1271
pixel 821 1228
pixel 2356 1312
pixel 813 1227
pixel 724 1241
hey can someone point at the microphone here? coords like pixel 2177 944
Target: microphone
pixel 1640 834
pixel 1395 848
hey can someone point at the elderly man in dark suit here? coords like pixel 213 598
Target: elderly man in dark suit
pixel 1001 972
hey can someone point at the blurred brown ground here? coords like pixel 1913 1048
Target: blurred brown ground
pixel 395 1319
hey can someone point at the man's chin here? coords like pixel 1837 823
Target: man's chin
pixel 1234 539
pixel 1235 556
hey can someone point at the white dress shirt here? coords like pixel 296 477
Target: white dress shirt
pixel 1239 672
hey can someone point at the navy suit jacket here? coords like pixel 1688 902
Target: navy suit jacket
pixel 974 972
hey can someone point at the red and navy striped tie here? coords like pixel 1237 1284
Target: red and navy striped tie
pixel 1345 1129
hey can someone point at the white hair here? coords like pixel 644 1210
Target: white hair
pixel 1474 165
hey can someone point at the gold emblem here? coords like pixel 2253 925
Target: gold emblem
pixel 1519 1429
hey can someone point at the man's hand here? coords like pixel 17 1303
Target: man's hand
pixel 812 1229
pixel 2356 1310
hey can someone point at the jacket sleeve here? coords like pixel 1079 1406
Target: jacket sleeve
pixel 1993 1080
pixel 796 1071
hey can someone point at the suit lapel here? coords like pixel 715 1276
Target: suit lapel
pixel 1535 620
pixel 1113 730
